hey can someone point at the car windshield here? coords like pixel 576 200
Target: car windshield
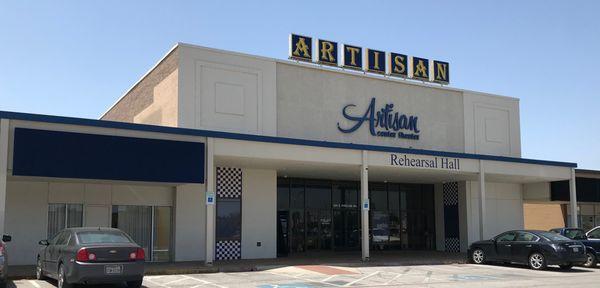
pixel 553 236
pixel 91 237
pixel 574 234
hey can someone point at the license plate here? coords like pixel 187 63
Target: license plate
pixel 575 249
pixel 113 269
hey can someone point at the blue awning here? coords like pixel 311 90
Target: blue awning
pixel 46 153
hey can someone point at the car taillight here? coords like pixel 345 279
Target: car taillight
pixel 83 255
pixel 139 254
pixel 1 249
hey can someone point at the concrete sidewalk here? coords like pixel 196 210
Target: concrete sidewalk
pixel 347 259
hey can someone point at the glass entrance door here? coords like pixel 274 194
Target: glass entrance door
pixel 318 230
pixel 282 233
pixel 325 215
pixel 347 229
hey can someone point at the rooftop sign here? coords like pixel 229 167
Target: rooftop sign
pixel 368 60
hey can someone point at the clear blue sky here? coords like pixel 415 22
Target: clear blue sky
pixel 75 58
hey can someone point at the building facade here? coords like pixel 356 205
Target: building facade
pixel 299 158
pixel 548 207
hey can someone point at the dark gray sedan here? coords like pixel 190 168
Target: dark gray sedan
pixel 91 256
pixel 535 248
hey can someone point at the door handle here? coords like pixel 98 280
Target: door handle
pixel 508 245
pixel 528 246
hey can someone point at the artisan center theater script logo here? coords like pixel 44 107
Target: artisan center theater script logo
pixel 385 122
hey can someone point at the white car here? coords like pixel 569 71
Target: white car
pixel 594 233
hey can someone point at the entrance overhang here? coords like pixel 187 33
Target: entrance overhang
pixel 344 164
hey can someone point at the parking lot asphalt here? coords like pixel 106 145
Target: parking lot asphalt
pixel 311 276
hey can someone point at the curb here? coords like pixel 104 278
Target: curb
pixel 263 267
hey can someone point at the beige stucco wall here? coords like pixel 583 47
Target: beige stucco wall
pixel 226 91
pixel 310 102
pixel 543 216
pixel 27 203
pixel 153 100
pixel 503 209
pixel 259 213
pixel 26 220
pixel 190 222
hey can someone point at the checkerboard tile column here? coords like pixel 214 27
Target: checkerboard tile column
pixel 229 182
pixel 229 186
pixel 452 244
pixel 228 250
pixel 451 221
pixel 450 193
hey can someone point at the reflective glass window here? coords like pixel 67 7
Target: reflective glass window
pixel 283 194
pixel 378 196
pixel 228 219
pixel 297 194
pixel 318 194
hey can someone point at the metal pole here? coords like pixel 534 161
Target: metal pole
pixel 4 127
pixel 481 200
pixel 364 192
pixel 573 199
pixel 210 209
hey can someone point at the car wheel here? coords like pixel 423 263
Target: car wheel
pixel 565 267
pixel 134 284
pixel 478 256
pixel 591 260
pixel 537 261
pixel 62 278
pixel 39 273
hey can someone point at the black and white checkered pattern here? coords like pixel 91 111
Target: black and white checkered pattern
pixel 450 199
pixel 452 244
pixel 229 182
pixel 450 191
pixel 229 186
pixel 229 250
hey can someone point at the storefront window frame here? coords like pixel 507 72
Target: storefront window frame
pixel 149 254
pixel 67 213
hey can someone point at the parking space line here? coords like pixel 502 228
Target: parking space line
pixel 35 284
pixel 363 278
pixel 176 280
pixel 427 277
pixel 195 279
pixel 329 278
pixel 396 277
pixel 154 283
pixel 205 282
pixel 303 279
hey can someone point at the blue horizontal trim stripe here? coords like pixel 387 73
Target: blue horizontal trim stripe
pixel 268 139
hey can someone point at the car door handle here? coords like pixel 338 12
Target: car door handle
pixel 508 245
pixel 528 246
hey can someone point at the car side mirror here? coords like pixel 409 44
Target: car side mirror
pixel 6 238
pixel 44 242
